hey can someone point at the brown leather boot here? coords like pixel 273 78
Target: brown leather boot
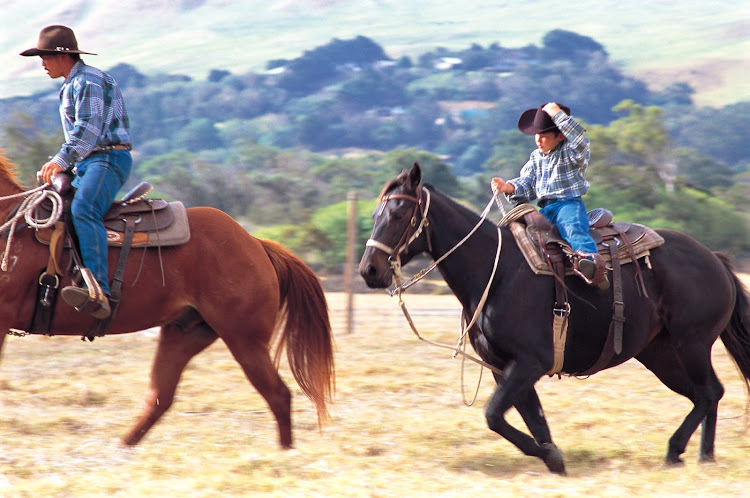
pixel 592 268
pixel 81 300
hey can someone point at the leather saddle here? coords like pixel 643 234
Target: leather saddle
pixel 131 221
pixel 618 243
pixel 154 221
pixel 625 242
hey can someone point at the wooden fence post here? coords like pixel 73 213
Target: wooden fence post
pixel 351 242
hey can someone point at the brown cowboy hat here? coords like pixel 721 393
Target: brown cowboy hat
pixel 533 121
pixel 55 40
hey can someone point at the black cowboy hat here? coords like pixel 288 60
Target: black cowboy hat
pixel 533 121
pixel 55 40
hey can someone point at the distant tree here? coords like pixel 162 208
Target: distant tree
pixel 157 166
pixel 216 75
pixel 28 145
pixel 404 62
pixel 511 151
pixel 368 89
pixel 127 76
pixel 471 160
pixel 315 68
pixel 199 134
pixel 702 172
pixel 434 169
pixel 476 58
pixel 680 94
pixel 718 133
pixel 365 174
pixel 560 44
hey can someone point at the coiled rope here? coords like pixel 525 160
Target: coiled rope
pixel 33 198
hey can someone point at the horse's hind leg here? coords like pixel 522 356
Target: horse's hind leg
pixel 687 371
pixel 255 360
pixel 176 347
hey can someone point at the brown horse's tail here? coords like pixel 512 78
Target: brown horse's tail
pixel 306 328
pixel 736 337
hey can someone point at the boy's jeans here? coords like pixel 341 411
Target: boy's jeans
pixel 98 179
pixel 569 215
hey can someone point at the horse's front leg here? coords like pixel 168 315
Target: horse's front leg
pixel 516 388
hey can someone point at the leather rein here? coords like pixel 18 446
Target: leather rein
pixel 421 209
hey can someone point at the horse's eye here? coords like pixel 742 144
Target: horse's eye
pixel 397 215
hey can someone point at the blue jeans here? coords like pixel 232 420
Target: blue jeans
pixel 570 218
pixel 98 179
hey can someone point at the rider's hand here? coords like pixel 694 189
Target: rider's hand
pixel 500 186
pixel 48 172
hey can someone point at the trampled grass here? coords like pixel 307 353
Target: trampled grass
pixel 399 426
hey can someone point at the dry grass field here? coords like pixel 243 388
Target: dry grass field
pixel 399 426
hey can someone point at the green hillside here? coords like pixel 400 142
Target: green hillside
pixel 704 43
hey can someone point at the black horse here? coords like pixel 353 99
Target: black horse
pixel 693 297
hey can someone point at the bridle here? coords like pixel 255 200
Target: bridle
pixel 394 257
pixel 421 208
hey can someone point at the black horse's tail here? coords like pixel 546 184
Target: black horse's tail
pixel 736 337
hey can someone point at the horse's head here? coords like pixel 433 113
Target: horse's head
pixel 399 221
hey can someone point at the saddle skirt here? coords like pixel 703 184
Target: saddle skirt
pixel 156 222
pixel 631 242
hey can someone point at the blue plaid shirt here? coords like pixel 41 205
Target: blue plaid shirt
pixel 558 174
pixel 93 114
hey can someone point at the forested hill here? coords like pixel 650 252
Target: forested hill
pixel 346 116
pixel 352 94
pixel 702 43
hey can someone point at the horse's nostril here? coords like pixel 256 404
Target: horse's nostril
pixel 368 271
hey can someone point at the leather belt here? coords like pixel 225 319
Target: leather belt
pixel 105 148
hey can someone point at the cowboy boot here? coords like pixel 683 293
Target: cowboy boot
pixel 89 299
pixel 592 268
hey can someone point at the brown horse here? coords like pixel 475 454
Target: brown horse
pixel 224 283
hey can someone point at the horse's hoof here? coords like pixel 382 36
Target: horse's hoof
pixel 674 461
pixel 707 458
pixel 554 459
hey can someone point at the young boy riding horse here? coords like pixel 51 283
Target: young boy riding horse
pixel 554 174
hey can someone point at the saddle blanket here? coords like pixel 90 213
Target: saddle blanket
pixel 639 248
pixel 177 233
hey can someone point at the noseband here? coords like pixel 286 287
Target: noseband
pixel 421 209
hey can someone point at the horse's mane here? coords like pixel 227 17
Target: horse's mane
pixel 395 182
pixel 8 170
pixel 464 211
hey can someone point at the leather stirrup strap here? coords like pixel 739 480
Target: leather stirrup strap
pixel 116 287
pixel 613 344
pixel 101 327
pixel 561 312
pixel 618 304
pixel 641 284
pixel 53 267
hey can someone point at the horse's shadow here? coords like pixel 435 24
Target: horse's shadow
pixel 578 461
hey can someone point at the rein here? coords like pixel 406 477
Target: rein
pixel 400 288
pixel 33 198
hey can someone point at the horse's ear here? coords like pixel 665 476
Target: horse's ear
pixel 416 175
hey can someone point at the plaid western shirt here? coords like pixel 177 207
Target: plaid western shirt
pixel 558 174
pixel 93 114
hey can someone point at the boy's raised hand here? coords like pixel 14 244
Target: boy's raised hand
pixel 551 108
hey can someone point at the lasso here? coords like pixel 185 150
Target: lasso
pixel 33 198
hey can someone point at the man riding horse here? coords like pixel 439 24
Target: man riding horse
pixel 96 151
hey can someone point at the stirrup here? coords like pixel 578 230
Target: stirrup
pixel 598 277
pixel 90 299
